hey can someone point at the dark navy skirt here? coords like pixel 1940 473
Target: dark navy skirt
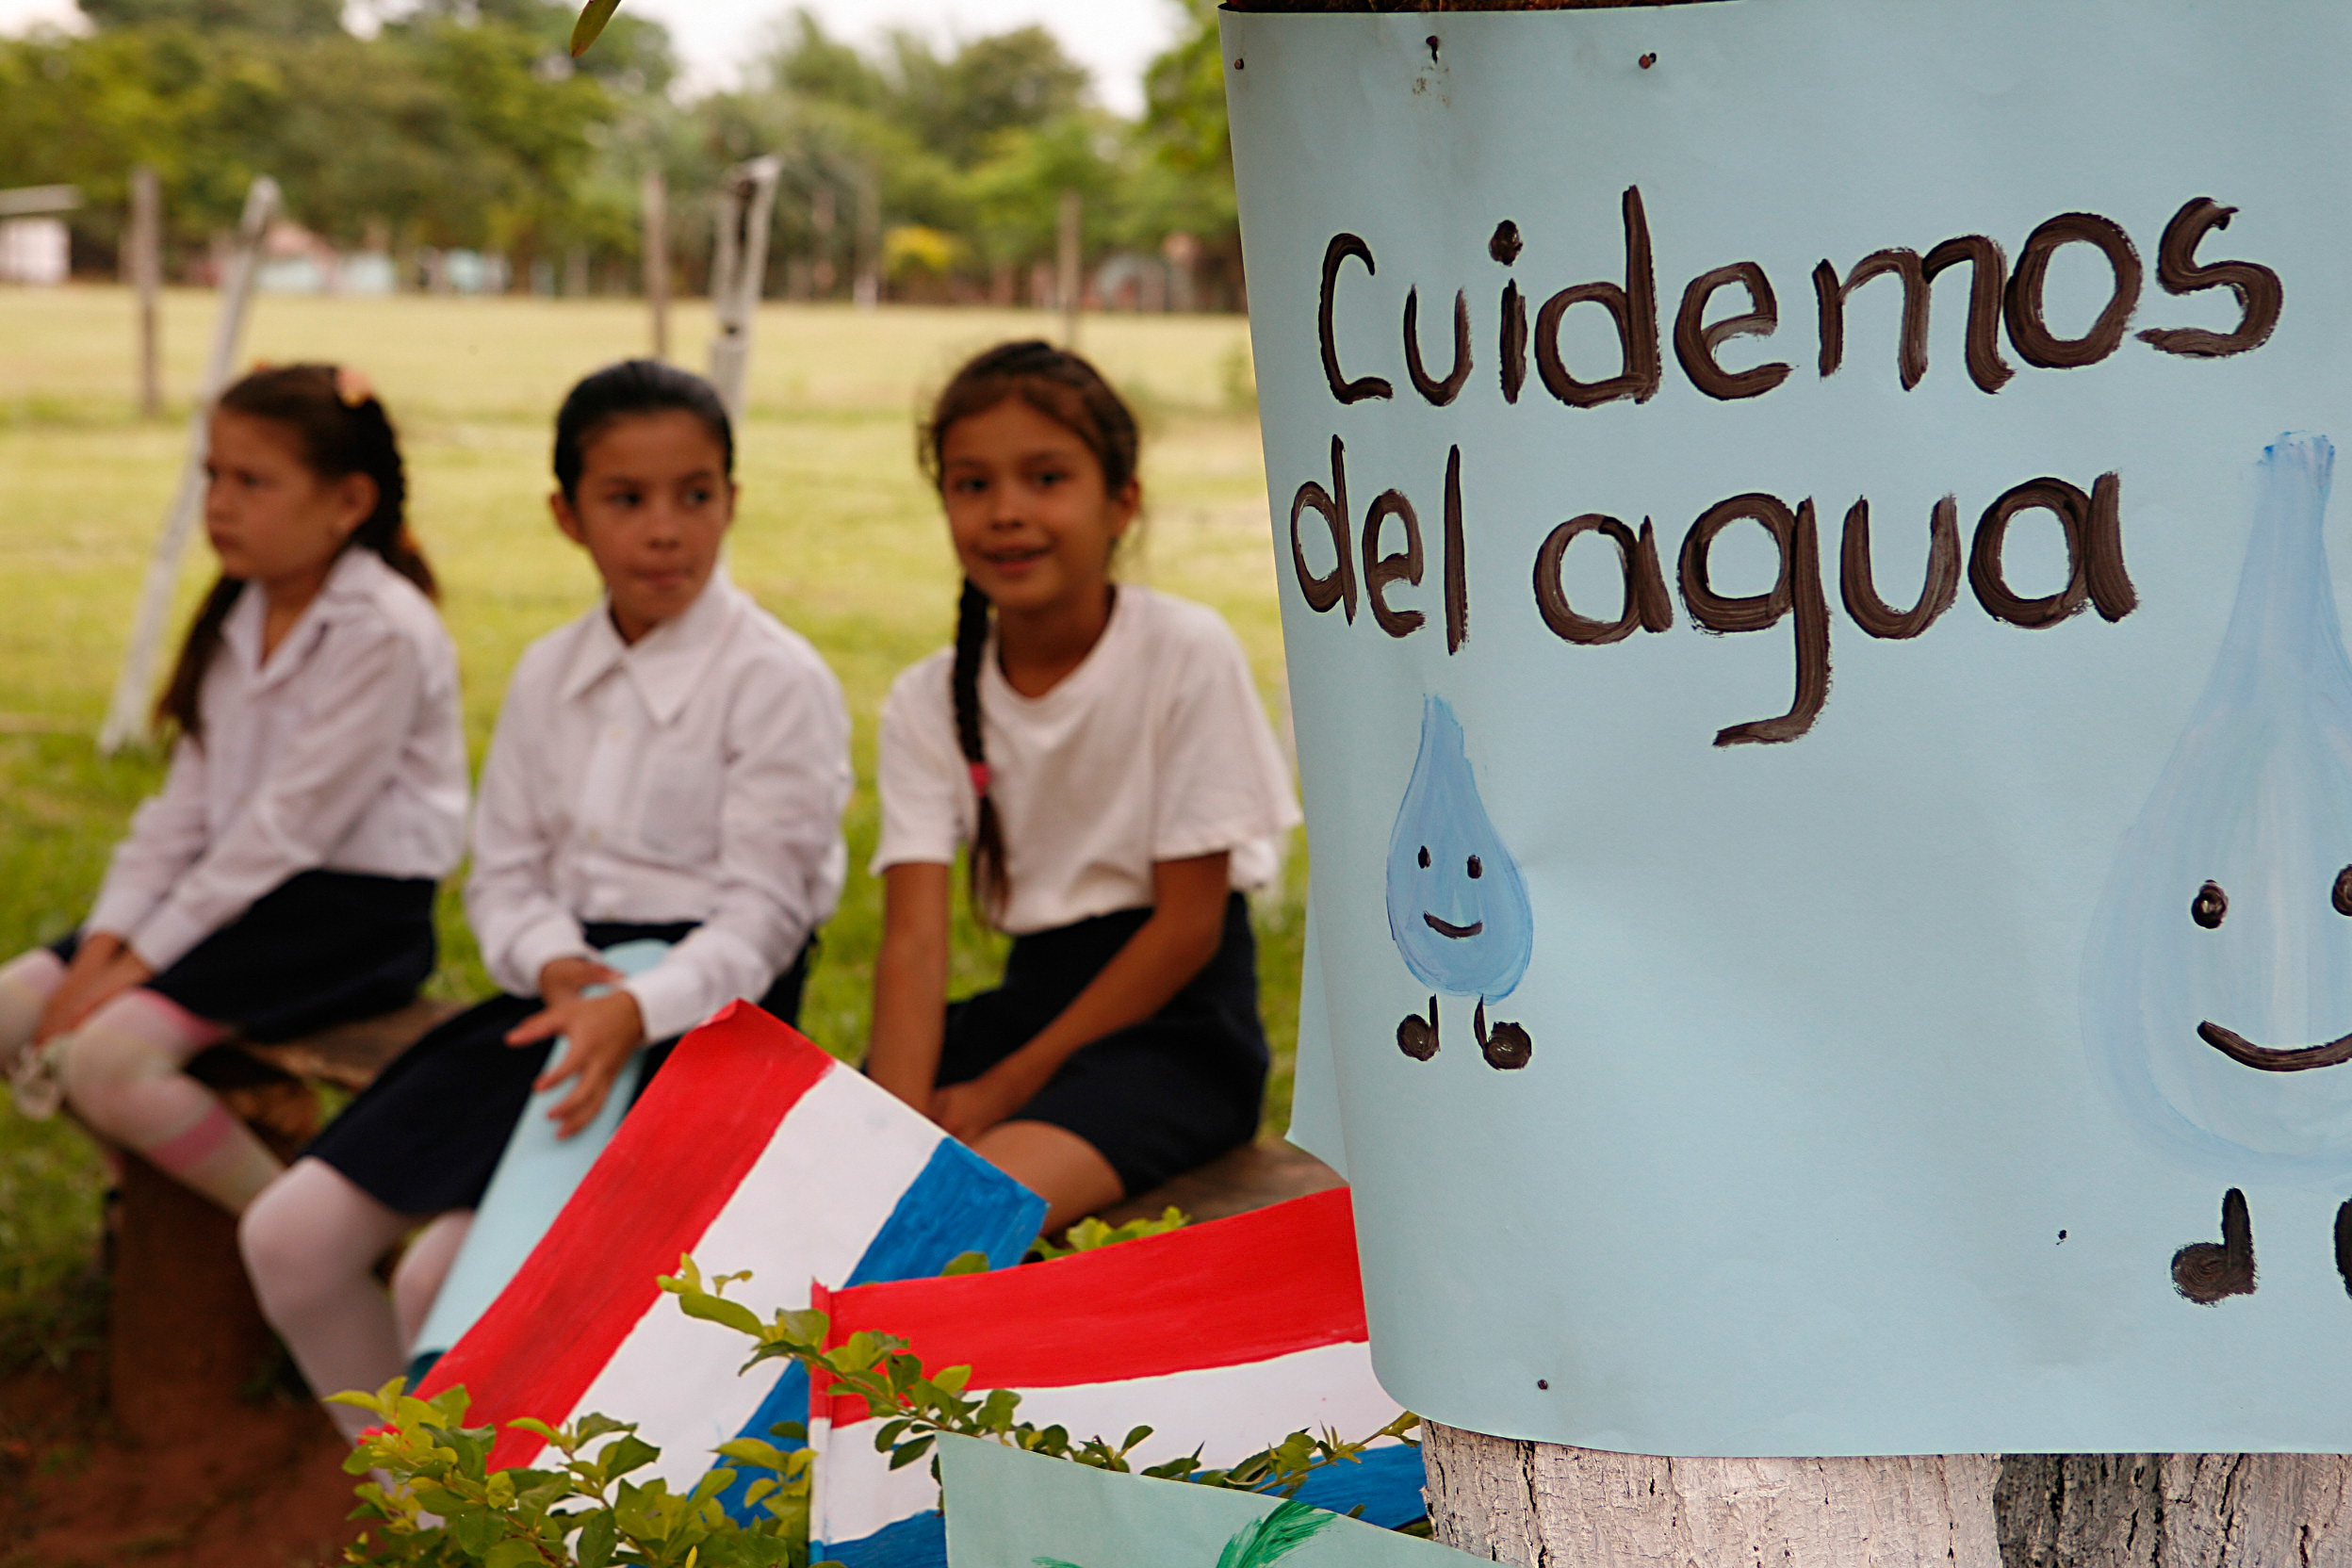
pixel 425 1138
pixel 1155 1099
pixel 321 947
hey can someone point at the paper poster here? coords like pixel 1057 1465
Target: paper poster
pixel 1224 1338
pixel 1811 588
pixel 752 1151
pixel 1007 1509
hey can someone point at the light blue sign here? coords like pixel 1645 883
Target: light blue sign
pixel 1805 538
pixel 1009 1509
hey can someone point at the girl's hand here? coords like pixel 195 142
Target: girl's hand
pixel 965 1111
pixel 599 1032
pixel 103 967
pixel 564 979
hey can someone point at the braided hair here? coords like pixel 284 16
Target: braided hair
pixel 341 428
pixel 1071 393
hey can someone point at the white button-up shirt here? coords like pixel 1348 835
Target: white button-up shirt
pixel 699 774
pixel 343 752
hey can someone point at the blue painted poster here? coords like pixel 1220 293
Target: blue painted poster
pixel 1811 585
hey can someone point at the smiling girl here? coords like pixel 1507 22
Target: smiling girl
pixel 284 878
pixel 1100 750
pixel 670 767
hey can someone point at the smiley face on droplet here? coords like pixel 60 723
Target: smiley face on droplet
pixel 2209 908
pixel 2218 977
pixel 1457 902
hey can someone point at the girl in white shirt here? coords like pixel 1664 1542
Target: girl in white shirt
pixel 673 765
pixel 1101 752
pixel 284 878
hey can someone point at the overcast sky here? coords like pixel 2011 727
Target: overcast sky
pixel 1113 38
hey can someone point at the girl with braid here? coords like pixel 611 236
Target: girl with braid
pixel 1099 751
pixel 284 878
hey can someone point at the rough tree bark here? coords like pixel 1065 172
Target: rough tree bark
pixel 1544 1505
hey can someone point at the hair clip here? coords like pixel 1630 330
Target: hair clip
pixel 352 386
pixel 979 779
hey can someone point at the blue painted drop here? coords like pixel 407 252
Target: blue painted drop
pixel 2257 800
pixel 1457 902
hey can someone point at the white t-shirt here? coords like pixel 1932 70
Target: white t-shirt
pixel 1153 749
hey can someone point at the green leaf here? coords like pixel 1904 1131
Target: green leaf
pixel 752 1451
pixel 597 1538
pixel 902 1457
pixel 966 1263
pixel 630 1452
pixel 593 16
pixel 718 1309
pixel 514 1554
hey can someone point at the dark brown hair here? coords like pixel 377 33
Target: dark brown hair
pixel 634 386
pixel 337 436
pixel 1071 393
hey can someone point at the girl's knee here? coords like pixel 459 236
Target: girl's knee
pixel 310 1233
pixel 136 1036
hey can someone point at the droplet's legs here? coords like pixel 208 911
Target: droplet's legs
pixel 1416 1036
pixel 2344 1245
pixel 2206 1273
pixel 1506 1047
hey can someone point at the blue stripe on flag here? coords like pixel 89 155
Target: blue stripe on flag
pixel 1387 1480
pixel 959 1203
pixel 956 1203
pixel 918 1541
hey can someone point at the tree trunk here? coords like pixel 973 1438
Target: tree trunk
pixel 1539 1504
pixel 2175 1510
pixel 1542 1504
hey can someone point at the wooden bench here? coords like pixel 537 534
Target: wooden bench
pixel 184 1331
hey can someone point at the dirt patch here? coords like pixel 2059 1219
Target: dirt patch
pixel 249 1483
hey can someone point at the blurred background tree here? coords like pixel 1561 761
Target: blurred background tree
pixel 936 167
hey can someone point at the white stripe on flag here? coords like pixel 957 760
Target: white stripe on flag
pixel 1228 1413
pixel 806 1210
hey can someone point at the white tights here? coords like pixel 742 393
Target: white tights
pixel 27 984
pixel 311 1242
pixel 120 1072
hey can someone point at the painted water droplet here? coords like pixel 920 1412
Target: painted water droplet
pixel 2220 954
pixel 1457 902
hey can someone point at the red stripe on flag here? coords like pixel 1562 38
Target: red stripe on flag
pixel 671 1168
pixel 1225 1294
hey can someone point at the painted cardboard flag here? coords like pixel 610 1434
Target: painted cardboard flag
pixel 1223 1338
pixel 1812 595
pixel 753 1149
pixel 1007 1509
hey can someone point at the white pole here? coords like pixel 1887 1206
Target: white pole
pixel 126 715
pixel 737 274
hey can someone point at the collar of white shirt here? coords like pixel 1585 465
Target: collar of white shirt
pixel 667 664
pixel 351 583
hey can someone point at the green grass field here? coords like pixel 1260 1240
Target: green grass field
pixel 837 535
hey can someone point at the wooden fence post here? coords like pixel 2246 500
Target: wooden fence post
pixel 144 244
pixel 654 204
pixel 126 714
pixel 1068 283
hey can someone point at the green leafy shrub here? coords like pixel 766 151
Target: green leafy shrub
pixel 445 1509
